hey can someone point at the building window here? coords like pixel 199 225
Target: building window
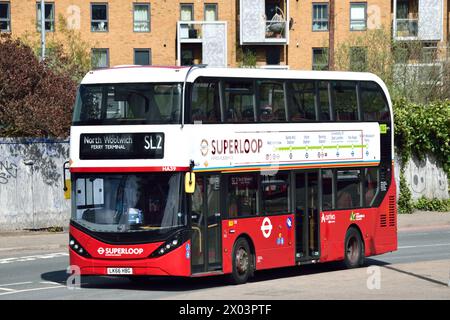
pixel 187 57
pixel 320 17
pixel 5 17
pixel 320 59
pixel 100 58
pixel 49 17
pixel 358 59
pixel 142 57
pixel 99 17
pixel 211 12
pixel 358 16
pixel 186 12
pixel 141 16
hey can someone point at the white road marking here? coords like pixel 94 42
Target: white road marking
pixel 425 245
pixel 7 289
pixel 33 289
pixel 50 282
pixel 14 284
pixel 33 258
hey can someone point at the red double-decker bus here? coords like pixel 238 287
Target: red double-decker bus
pixel 201 171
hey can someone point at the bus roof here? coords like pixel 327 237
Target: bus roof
pixel 142 74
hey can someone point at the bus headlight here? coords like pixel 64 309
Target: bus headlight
pixel 172 243
pixel 76 247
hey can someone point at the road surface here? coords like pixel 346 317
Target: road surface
pixel 420 269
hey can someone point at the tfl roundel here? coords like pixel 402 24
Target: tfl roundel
pixel 266 227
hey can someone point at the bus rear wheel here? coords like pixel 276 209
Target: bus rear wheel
pixel 354 249
pixel 242 262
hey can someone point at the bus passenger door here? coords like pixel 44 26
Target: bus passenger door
pixel 307 215
pixel 206 225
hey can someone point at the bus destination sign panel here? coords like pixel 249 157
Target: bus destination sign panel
pixel 111 146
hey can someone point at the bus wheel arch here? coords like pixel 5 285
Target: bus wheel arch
pixel 354 247
pixel 242 259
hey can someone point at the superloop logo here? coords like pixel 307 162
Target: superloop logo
pixel 108 252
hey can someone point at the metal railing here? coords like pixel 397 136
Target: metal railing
pixel 407 28
pixel 190 30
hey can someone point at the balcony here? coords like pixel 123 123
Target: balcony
pixel 419 73
pixel 407 28
pixel 418 20
pixel 264 22
pixel 202 42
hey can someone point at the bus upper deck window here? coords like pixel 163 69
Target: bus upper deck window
pixel 302 106
pixel 239 101
pixel 205 102
pixel 373 102
pixel 345 102
pixel 271 101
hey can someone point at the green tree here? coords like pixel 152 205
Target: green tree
pixel 35 100
pixel 66 51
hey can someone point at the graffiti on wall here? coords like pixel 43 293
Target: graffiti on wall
pixel 8 171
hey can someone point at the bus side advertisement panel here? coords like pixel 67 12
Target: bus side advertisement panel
pixel 273 238
pixel 333 228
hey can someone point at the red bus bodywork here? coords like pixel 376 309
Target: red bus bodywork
pixel 378 228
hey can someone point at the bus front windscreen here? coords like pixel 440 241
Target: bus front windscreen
pixel 128 202
pixel 128 103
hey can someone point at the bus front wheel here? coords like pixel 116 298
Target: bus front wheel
pixel 242 262
pixel 354 249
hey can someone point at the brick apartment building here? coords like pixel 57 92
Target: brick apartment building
pixel 295 34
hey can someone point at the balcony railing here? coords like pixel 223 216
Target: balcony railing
pixel 407 28
pixel 190 31
pixel 264 22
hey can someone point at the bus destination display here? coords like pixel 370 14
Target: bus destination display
pixel 122 146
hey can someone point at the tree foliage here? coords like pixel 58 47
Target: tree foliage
pixel 66 51
pixel 411 71
pixel 36 99
pixel 422 129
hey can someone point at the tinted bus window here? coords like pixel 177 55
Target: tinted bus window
pixel 302 106
pixel 239 101
pixel 373 102
pixel 345 101
pixel 275 193
pixel 324 101
pixel 271 101
pixel 370 185
pixel 205 102
pixel 150 103
pixel 327 189
pixel 242 194
pixel 348 189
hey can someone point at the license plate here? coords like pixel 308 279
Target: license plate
pixel 119 270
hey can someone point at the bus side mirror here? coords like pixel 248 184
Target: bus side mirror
pixel 67 183
pixel 189 182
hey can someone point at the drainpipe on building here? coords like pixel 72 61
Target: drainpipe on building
pixel 331 38
pixel 42 30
